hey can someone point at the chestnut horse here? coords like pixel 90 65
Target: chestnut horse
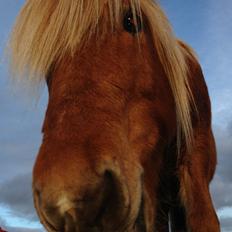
pixel 127 140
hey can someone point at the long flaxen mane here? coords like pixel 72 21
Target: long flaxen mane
pixel 46 30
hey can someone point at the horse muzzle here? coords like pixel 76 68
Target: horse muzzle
pixel 106 200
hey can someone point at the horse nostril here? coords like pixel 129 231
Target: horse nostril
pixel 70 221
pixel 115 203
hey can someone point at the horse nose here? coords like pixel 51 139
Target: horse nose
pixel 102 203
pixel 65 208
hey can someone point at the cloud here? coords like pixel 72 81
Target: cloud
pixel 16 229
pixel 224 148
pixel 2 222
pixel 230 129
pixel 17 195
pixel 221 187
pixel 221 192
pixel 4 226
pixel 222 184
pixel 227 224
pixel 20 135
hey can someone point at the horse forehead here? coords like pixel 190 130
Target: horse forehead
pixel 118 61
pixel 99 81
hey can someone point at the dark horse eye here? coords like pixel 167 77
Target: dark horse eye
pixel 130 24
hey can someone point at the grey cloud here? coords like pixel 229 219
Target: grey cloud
pixel 226 224
pixel 20 136
pixel 17 195
pixel 224 147
pixel 2 222
pixel 230 128
pixel 221 192
pixel 15 229
pixel 4 226
pixel 222 184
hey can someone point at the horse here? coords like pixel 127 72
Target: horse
pixel 127 139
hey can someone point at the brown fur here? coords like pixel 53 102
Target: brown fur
pixel 46 31
pixel 109 159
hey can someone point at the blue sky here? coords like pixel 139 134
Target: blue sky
pixel 204 24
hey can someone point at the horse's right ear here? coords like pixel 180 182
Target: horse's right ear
pixel 200 105
pixel 189 52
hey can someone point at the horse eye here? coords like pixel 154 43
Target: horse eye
pixel 130 24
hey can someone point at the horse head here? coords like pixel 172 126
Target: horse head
pixel 119 102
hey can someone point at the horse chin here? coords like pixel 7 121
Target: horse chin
pixel 114 205
pixel 69 222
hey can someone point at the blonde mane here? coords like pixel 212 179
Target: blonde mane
pixel 46 30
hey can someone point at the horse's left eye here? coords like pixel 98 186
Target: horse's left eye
pixel 130 24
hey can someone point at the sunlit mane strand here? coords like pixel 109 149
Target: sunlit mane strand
pixel 173 56
pixel 46 30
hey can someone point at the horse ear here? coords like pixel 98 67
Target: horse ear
pixel 188 50
pixel 201 106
